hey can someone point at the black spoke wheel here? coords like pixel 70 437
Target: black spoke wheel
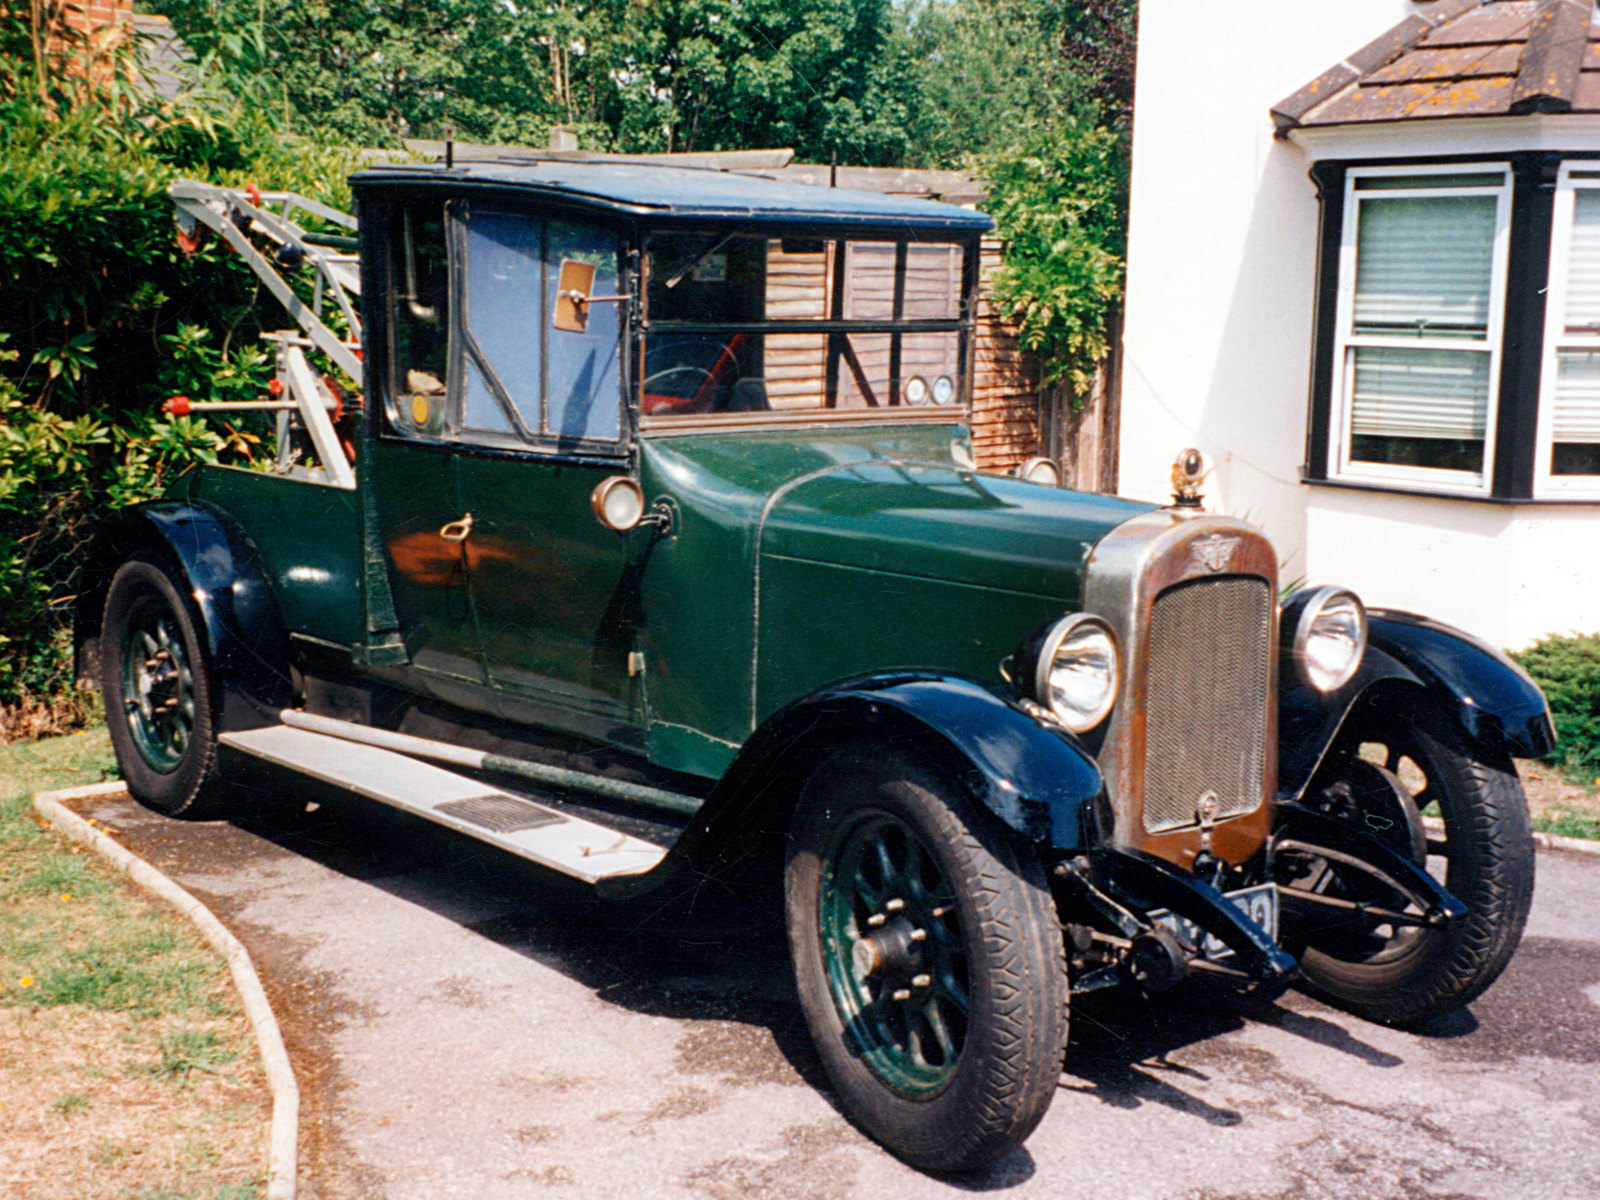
pixel 928 958
pixel 1390 777
pixel 156 680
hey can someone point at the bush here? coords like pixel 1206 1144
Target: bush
pixel 1060 206
pixel 1568 669
pixel 102 316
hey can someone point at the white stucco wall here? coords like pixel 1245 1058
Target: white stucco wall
pixel 1221 279
pixel 1510 574
pixel 1222 250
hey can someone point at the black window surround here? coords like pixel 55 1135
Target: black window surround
pixel 1510 456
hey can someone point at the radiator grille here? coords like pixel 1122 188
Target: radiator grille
pixel 1206 703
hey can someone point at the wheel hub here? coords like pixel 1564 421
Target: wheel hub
pixel 894 950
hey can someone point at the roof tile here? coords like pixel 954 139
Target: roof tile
pixel 1453 62
pixel 1506 21
pixel 1388 46
pixel 1556 42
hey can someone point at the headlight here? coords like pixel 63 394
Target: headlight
pixel 917 390
pixel 944 390
pixel 1071 667
pixel 1330 635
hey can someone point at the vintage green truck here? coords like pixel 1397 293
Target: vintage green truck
pixel 654 538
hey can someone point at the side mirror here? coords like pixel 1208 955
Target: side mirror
pixel 573 287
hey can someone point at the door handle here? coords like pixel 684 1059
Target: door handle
pixel 457 531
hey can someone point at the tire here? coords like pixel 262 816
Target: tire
pixel 1408 976
pixel 157 683
pixel 946 1048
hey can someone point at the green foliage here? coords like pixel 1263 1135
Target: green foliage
pixel 1568 671
pixel 1061 207
pixel 102 316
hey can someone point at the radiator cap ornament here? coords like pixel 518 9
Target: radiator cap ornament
pixel 1188 469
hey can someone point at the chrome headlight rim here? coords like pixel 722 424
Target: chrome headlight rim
pixel 1313 606
pixel 1040 654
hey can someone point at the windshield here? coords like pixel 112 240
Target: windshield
pixel 749 325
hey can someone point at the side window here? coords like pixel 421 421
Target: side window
pixel 585 393
pixel 419 282
pixel 502 376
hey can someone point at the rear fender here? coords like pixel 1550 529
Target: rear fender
pixel 1410 660
pixel 218 568
pixel 1030 773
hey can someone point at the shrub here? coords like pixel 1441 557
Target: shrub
pixel 1568 669
pixel 102 316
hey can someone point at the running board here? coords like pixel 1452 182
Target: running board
pixel 571 845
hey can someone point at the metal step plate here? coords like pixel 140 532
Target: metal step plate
pixel 583 849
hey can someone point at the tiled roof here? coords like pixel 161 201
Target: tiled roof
pixel 1461 58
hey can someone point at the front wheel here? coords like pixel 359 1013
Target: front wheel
pixel 1389 775
pixel 156 681
pixel 928 957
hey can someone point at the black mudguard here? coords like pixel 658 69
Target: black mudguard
pixel 1409 660
pixel 221 570
pixel 1030 773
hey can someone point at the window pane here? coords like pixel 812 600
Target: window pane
pixel 933 283
pixel 1576 420
pixel 503 284
pixel 482 410
pixel 798 273
pixel 585 392
pixel 1422 408
pixel 930 357
pixel 1583 265
pixel 420 283
pixel 1424 265
pixel 869 281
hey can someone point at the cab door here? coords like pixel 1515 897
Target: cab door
pixel 411 475
pixel 555 593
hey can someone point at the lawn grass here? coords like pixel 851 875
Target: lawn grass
pixel 127 1069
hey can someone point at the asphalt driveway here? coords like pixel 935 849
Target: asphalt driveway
pixel 463 1024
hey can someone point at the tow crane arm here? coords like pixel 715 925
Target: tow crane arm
pixel 232 214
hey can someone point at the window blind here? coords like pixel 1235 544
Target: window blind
pixel 1419 393
pixel 1424 265
pixel 1582 313
pixel 1577 397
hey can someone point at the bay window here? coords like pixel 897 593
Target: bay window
pixel 1417 352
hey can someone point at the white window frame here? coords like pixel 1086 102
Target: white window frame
pixel 1341 466
pixel 1545 484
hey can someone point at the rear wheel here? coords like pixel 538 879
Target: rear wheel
pixel 1389 776
pixel 156 680
pixel 928 958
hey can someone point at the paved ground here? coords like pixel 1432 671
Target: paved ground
pixel 464 1026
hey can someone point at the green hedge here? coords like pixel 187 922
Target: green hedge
pixel 102 317
pixel 1568 669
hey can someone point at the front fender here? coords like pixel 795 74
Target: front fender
pixel 1031 774
pixel 245 640
pixel 1411 659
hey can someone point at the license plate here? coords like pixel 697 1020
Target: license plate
pixel 1259 903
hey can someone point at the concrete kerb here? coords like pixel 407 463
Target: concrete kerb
pixel 284 1146
pixel 1545 841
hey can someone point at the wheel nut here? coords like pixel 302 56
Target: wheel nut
pixel 895 905
pixel 918 935
pixel 901 994
pixel 876 919
pixel 941 910
pixel 921 980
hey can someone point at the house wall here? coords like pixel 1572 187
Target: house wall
pixel 1217 341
